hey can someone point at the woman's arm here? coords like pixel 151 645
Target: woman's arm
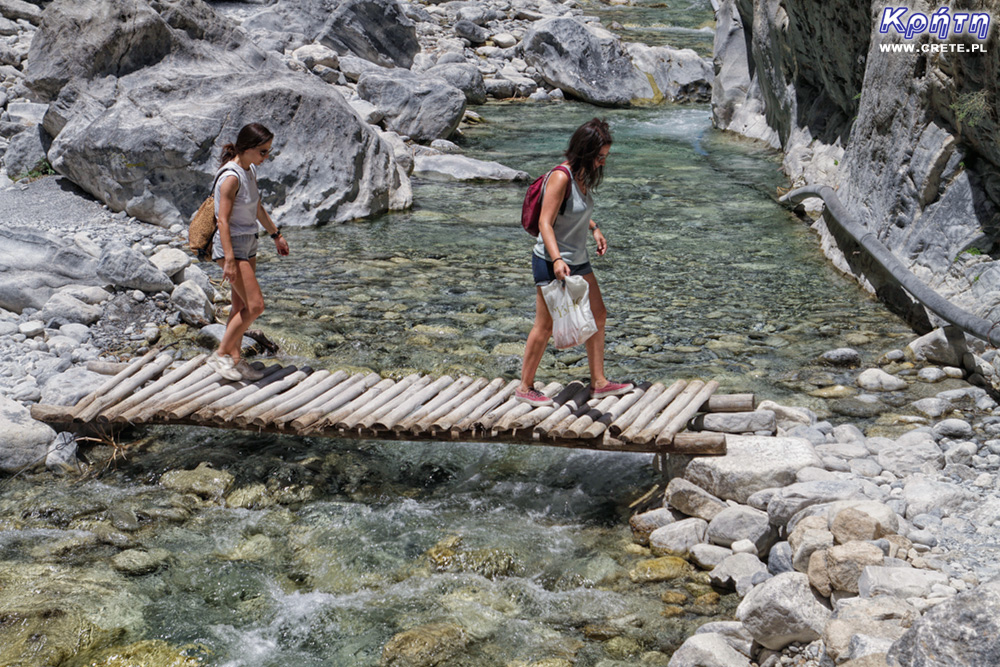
pixel 227 197
pixel 555 192
pixel 280 244
pixel 602 243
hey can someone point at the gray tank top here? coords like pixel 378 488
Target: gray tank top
pixel 243 219
pixel 572 227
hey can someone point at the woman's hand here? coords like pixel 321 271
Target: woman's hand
pixel 561 269
pixel 281 245
pixel 229 270
pixel 602 243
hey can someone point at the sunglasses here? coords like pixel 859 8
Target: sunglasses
pixel 264 152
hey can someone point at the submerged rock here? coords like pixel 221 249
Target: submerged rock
pixel 24 442
pixel 424 646
pixel 203 481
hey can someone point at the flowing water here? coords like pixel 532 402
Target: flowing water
pixel 491 553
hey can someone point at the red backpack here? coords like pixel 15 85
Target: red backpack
pixel 531 209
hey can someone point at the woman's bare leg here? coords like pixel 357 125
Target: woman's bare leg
pixel 595 344
pixel 248 304
pixel 538 339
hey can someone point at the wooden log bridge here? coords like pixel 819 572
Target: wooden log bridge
pixel 158 389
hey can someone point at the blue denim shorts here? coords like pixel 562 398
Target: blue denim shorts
pixel 544 273
pixel 244 246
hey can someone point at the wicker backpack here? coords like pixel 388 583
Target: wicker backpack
pixel 203 223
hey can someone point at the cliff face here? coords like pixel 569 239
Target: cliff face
pixel 910 140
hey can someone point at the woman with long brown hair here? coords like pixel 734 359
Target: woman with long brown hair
pixel 561 251
pixel 238 210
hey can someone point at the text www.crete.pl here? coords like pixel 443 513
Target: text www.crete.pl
pixel 932 48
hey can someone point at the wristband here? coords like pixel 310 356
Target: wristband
pixel 276 234
pixel 560 259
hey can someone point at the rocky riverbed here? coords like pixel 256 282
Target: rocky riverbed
pixel 866 536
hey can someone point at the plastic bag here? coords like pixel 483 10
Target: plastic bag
pixel 569 304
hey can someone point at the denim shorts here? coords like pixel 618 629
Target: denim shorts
pixel 544 273
pixel 244 246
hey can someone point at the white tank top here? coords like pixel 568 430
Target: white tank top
pixel 243 218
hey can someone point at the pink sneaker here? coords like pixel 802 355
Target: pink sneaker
pixel 612 389
pixel 533 397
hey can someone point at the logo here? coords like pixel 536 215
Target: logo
pixel 942 23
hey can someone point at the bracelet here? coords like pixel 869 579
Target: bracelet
pixel 560 259
pixel 276 234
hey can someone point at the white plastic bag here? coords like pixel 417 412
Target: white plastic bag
pixel 569 304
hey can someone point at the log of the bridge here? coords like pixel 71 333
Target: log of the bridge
pixel 702 443
pixel 648 432
pixel 311 389
pixel 653 408
pixel 449 392
pixel 568 407
pixel 326 390
pixel 506 422
pixel 469 422
pixel 581 422
pixel 599 426
pixel 114 381
pixel 168 380
pixel 124 388
pixel 209 410
pixel 675 425
pixel 294 391
pixel 729 403
pixel 52 414
pixel 405 397
pixel 539 414
pixel 340 398
pixel 387 397
pixel 348 408
pixel 144 411
pixel 563 423
pixel 233 412
pixel 625 420
pixel 213 390
pixel 424 424
pixel 459 412
pixel 106 367
pixel 389 420
pixel 388 402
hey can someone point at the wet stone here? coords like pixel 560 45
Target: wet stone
pixel 137 562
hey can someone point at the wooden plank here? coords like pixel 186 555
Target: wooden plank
pixel 468 423
pixel 387 397
pixel 702 443
pixel 388 420
pixel 730 403
pixel 626 419
pixel 209 409
pixel 506 423
pixel 124 388
pixel 649 431
pixel 446 395
pixel 334 399
pixel 364 422
pixel 539 414
pixel 235 411
pixel 106 367
pixel 567 408
pixel 582 422
pixel 677 424
pixel 653 408
pixel 600 425
pixel 294 392
pixel 168 380
pixel 183 387
pixel 114 381
pixel 324 381
pixel 424 425
pixel 463 410
pixel 347 409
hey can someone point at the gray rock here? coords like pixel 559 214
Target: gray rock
pixel 26 151
pixel 783 610
pixel 737 572
pixel 420 108
pixel 741 523
pixel 19 9
pixel 192 303
pixel 692 500
pixel 751 464
pixel 203 481
pixel 464 76
pixel 500 88
pixel 68 387
pixel 795 497
pixel 470 31
pixel 136 562
pixel 164 120
pixel 61 457
pixel 779 559
pixel 678 538
pixel 680 75
pixel 899 582
pixel 35 264
pixel 645 523
pixel 875 379
pixel 932 407
pixel 737 422
pixel 959 631
pixel 707 556
pixel 63 308
pixel 708 650
pixel 312 55
pixel 842 356
pixel 126 267
pixel 936 347
pixel 376 30
pixel 923 495
pixel 461 168
pixel 24 443
pixel 171 260
pixel 910 453
pixel 78 332
pixel 953 428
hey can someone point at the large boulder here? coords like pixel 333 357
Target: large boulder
pixel 462 168
pixel 142 130
pixel 422 108
pixel 751 464
pixel 127 267
pixel 783 610
pixel 464 76
pixel 34 264
pixel 24 442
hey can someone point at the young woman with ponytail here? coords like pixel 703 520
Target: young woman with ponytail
pixel 238 210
